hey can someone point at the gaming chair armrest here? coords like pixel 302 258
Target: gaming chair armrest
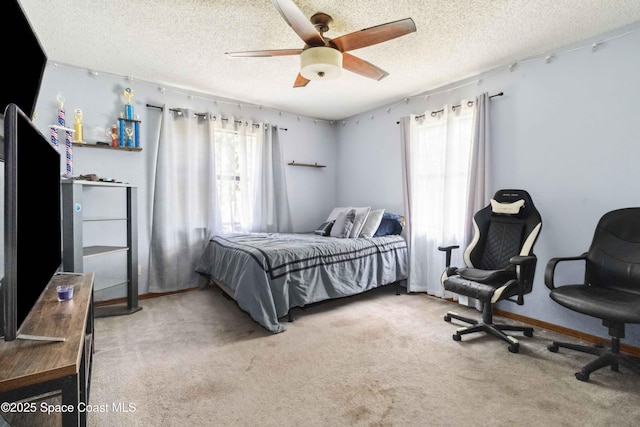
pixel 551 268
pixel 527 264
pixel 521 260
pixel 448 250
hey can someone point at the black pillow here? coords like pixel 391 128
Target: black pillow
pixel 324 229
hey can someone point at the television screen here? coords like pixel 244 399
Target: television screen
pixel 24 75
pixel 32 228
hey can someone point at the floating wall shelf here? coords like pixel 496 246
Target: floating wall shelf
pixel 107 146
pixel 308 165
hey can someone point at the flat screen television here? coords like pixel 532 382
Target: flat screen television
pixel 24 75
pixel 32 218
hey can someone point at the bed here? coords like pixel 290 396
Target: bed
pixel 269 274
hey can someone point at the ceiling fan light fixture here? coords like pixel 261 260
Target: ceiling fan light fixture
pixel 320 63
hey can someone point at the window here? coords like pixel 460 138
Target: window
pixel 235 168
pixel 438 159
pixel 441 165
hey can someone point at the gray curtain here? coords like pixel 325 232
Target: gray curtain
pixel 182 208
pixel 405 155
pixel 480 190
pixel 211 176
pixel 272 210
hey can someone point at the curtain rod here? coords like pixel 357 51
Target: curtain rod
pixel 203 115
pixel 469 104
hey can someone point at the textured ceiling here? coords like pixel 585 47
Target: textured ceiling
pixel 182 43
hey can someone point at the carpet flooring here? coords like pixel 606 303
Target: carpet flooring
pixel 376 359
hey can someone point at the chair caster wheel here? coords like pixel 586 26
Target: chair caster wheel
pixel 457 337
pixel 514 348
pixel 582 376
pixel 552 348
pixel 447 318
pixel 528 333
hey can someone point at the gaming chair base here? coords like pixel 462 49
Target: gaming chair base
pixel 607 357
pixel 487 325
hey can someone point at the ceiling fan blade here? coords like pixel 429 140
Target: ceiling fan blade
pixel 375 35
pixel 300 23
pixel 300 81
pixel 259 53
pixel 362 67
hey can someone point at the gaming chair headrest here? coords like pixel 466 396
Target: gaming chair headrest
pixel 516 203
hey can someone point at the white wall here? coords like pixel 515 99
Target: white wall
pixel 311 191
pixel 568 132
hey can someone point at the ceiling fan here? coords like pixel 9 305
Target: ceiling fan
pixel 323 58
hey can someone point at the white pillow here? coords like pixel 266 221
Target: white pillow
pixel 506 208
pixel 343 224
pixel 358 222
pixel 372 223
pixel 361 216
pixel 334 213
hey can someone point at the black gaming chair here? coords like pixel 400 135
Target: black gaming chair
pixel 500 263
pixel 611 288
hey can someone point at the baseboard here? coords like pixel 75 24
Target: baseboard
pixel 624 348
pixel 123 300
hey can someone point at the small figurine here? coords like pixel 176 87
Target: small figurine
pixel 60 99
pixel 128 108
pixel 114 136
pixel 77 126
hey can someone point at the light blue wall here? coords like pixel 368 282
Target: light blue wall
pixel 567 131
pixel 311 191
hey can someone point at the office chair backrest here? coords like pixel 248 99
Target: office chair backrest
pixel 613 260
pixel 508 226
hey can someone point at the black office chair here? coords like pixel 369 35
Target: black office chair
pixel 500 263
pixel 611 288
